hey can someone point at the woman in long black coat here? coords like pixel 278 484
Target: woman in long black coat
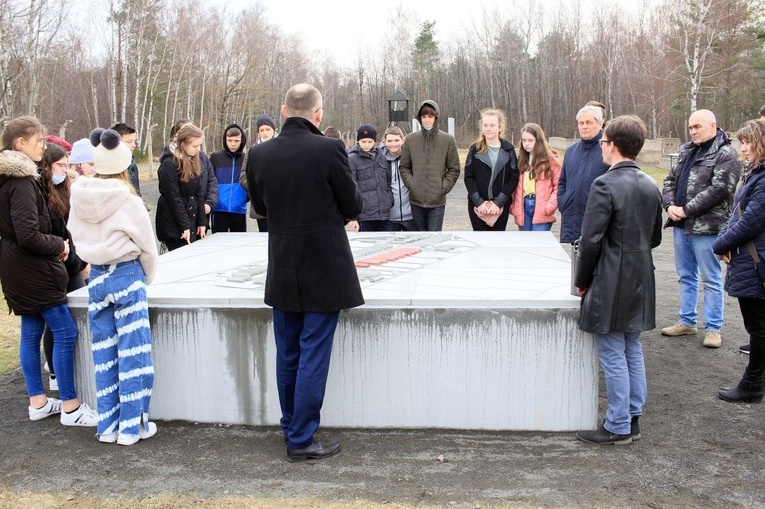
pixel 181 217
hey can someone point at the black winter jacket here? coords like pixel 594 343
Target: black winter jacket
pixel 181 204
pixel 478 174
pixel 741 279
pixel 374 181
pixel 31 273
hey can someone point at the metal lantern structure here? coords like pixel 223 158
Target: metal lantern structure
pixel 398 109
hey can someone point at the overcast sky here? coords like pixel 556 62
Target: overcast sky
pixel 357 25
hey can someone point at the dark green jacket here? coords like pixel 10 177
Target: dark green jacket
pixel 430 164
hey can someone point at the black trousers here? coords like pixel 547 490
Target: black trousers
pixel 223 222
pixel 753 313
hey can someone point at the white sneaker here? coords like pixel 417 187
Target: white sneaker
pixel 143 434
pixel 53 383
pixel 83 416
pixel 45 367
pixel 108 438
pixel 52 407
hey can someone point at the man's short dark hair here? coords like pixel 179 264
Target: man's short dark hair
pixel 123 128
pixel 762 111
pixel 233 131
pixel 628 133
pixel 427 109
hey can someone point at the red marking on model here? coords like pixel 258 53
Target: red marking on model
pixel 390 256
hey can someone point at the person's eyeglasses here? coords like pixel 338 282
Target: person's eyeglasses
pixel 319 108
pixel 603 142
pixel 41 142
pixel 696 127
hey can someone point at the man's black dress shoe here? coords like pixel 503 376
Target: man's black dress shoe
pixel 315 451
pixel 602 436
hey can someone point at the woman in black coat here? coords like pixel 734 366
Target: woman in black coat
pixel 181 215
pixel 491 175
pixel 744 231
pixel 33 274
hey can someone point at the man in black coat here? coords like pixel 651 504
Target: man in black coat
pixel 615 276
pixel 302 182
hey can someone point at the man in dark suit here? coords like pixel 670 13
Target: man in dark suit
pixel 302 182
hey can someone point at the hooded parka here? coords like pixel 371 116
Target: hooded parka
pixel 32 275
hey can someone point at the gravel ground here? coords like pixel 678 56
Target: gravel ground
pixel 696 451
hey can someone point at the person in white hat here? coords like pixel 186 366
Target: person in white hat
pixel 112 230
pixel 82 157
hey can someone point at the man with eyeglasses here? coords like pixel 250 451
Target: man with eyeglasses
pixel 615 276
pixel 698 196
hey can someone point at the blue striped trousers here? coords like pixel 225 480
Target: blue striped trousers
pixel 118 312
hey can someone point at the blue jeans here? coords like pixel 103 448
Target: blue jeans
pixel 621 357
pixel 694 255
pixel 529 204
pixel 118 314
pixel 64 337
pixel 303 349
pixel 428 219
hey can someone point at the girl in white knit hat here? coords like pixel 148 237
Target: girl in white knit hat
pixel 112 230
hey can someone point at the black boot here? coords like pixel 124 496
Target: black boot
pixel 749 390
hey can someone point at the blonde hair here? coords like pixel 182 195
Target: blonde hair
pixel 188 167
pixel 753 131
pixel 122 177
pixel 480 144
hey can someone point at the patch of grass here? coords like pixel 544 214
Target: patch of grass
pixel 658 174
pixel 10 329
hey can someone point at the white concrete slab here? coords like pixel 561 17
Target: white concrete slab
pixel 475 330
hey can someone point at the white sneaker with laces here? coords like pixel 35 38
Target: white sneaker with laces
pixel 52 407
pixel 143 434
pixel 53 383
pixel 83 416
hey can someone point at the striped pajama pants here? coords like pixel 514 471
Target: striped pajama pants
pixel 119 321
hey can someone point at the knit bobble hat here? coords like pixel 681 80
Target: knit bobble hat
pixel 112 156
pixel 366 131
pixel 266 119
pixel 82 152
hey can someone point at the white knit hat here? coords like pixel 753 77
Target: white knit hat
pixel 82 152
pixel 112 156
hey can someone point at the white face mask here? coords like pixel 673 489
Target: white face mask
pixel 58 178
